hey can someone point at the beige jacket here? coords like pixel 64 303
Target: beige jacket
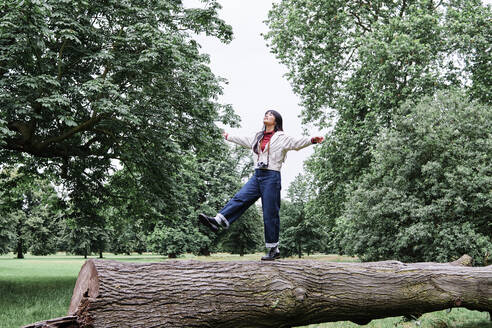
pixel 280 144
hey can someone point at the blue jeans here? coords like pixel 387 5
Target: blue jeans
pixel 264 184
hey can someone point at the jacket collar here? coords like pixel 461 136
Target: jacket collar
pixel 275 136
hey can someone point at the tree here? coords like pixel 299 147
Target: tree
pixel 31 211
pixel 246 234
pixel 301 232
pixel 8 203
pixel 427 194
pixel 227 173
pixel 205 183
pixel 87 87
pixel 85 229
pixel 363 60
pixel 354 63
pixel 126 234
pixel 6 235
pixel 130 214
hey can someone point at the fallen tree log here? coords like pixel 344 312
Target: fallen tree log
pixel 268 294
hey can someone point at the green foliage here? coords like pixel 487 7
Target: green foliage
pixel 7 221
pixel 354 64
pixel 205 183
pixel 6 235
pixel 301 231
pixel 90 87
pixel 245 235
pixel 31 213
pixel 221 175
pixel 130 215
pixel 427 195
pixel 366 59
pixel 93 79
pixel 127 236
pixel 173 241
pixel 78 239
pixel 85 229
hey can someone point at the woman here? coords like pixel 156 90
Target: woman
pixel 269 147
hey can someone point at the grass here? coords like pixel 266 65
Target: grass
pixel 457 318
pixel 40 287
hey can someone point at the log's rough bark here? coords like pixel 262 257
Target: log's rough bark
pixel 282 293
pixel 63 322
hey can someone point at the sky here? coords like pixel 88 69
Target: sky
pixel 255 78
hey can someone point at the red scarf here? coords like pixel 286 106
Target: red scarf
pixel 266 139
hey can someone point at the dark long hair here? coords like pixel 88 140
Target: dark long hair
pixel 278 127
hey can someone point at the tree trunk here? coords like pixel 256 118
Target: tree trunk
pixel 20 242
pixel 282 293
pixel 20 246
pixel 204 251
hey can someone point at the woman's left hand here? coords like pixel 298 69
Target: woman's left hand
pixel 317 140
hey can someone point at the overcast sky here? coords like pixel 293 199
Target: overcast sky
pixel 256 81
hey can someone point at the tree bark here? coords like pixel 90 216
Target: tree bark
pixel 282 293
pixel 63 322
pixel 20 247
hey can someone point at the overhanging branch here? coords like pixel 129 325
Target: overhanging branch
pixel 87 125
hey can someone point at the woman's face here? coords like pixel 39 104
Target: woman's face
pixel 269 119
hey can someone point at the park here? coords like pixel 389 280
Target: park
pixel 140 188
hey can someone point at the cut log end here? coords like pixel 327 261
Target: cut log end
pixel 87 285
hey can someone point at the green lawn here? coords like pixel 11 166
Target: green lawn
pixel 40 287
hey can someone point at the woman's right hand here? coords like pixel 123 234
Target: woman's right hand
pixel 225 135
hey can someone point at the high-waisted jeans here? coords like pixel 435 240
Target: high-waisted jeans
pixel 264 184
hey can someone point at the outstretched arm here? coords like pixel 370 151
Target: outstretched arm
pixel 299 143
pixel 246 142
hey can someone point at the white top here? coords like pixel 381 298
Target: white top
pixel 280 144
